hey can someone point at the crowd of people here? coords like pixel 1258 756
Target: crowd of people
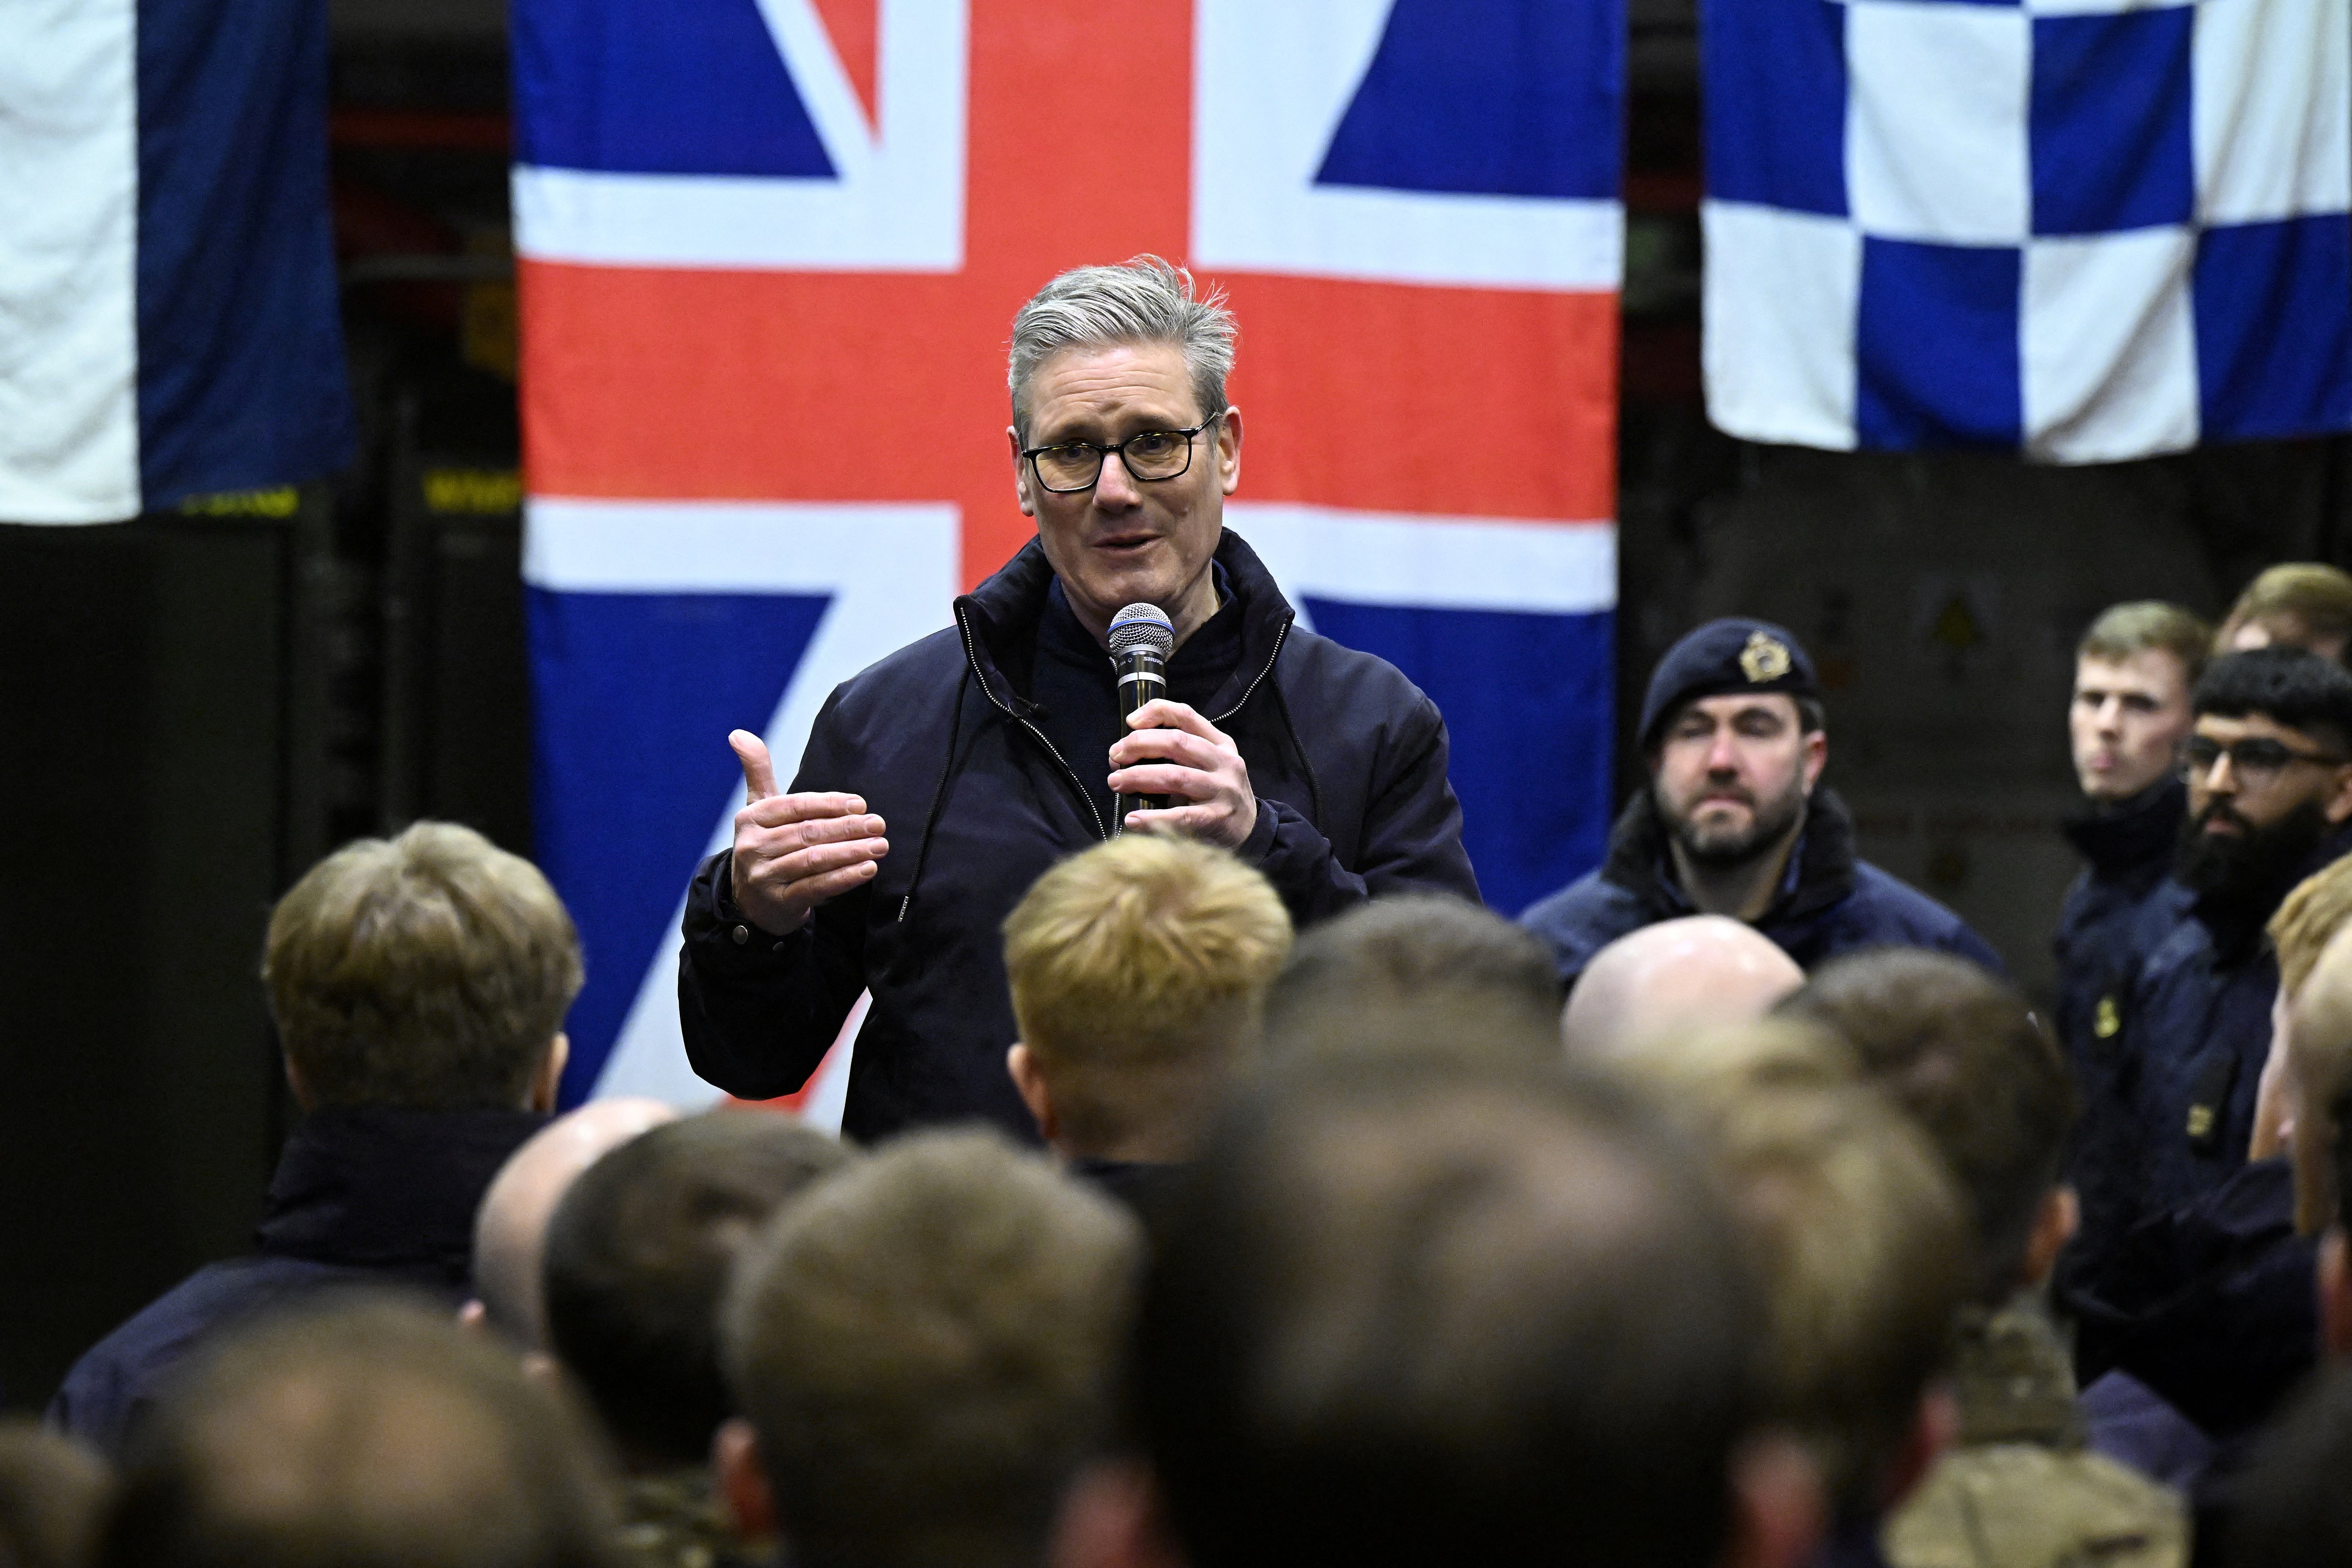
pixel 1222 1185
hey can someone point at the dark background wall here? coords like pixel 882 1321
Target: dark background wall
pixel 195 706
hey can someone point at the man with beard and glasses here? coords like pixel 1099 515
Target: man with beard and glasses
pixel 1733 822
pixel 2269 770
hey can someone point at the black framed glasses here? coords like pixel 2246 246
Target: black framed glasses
pixel 2256 760
pixel 1150 455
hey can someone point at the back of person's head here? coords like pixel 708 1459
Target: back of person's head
pixel 1138 971
pixel 1426 1309
pixel 2142 626
pixel 363 1434
pixel 923 1344
pixel 2292 1507
pixel 1964 1054
pixel 53 1495
pixel 2303 603
pixel 511 1226
pixel 1672 978
pixel 1413 973
pixel 430 971
pixel 2307 919
pixel 2286 685
pixel 1857 1228
pixel 638 1256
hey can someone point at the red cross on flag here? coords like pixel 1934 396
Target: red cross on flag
pixel 772 250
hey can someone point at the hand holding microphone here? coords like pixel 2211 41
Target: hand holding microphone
pixel 1175 771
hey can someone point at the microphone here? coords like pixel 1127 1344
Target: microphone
pixel 1142 641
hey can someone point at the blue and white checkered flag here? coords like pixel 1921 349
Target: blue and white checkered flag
pixel 2087 229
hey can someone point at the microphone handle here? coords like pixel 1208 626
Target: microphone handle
pixel 1142 678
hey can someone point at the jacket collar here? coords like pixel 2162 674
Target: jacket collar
pixel 2133 839
pixel 1821 868
pixel 1000 620
pixel 376 1187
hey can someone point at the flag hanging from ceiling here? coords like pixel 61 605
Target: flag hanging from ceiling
pixel 2085 229
pixel 770 255
pixel 169 319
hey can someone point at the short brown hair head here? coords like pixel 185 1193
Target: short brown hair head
pixel 365 1432
pixel 1416 973
pixel 638 1255
pixel 1436 1309
pixel 431 971
pixel 924 1343
pixel 2298 601
pixel 2306 919
pixel 1138 971
pixel 1964 1055
pixel 2141 626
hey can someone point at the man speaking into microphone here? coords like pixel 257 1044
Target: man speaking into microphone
pixel 941 782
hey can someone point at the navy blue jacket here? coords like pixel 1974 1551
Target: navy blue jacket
pixel 1346 757
pixel 370 1196
pixel 1829 904
pixel 2121 907
pixel 2198 1026
pixel 2124 895
pixel 2212 1304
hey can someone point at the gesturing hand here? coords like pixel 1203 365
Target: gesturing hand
pixel 793 852
pixel 1176 753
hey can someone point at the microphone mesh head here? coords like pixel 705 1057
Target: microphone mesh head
pixel 1142 629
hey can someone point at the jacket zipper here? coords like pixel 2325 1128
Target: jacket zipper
pixel 1068 773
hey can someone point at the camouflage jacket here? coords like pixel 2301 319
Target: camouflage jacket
pixel 2019 1490
pixel 673 1519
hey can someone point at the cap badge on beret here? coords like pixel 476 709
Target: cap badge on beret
pixel 1766 658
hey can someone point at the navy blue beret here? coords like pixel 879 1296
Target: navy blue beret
pixel 1726 656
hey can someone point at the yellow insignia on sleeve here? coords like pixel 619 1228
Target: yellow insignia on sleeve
pixel 1766 658
pixel 2107 1019
pixel 2200 1120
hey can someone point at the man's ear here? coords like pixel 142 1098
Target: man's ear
pixel 296 1087
pixel 1933 1428
pixel 1779 1510
pixel 1022 1063
pixel 1229 451
pixel 2335 1295
pixel 2053 1227
pixel 1816 745
pixel 1019 474
pixel 742 1480
pixel 1111 1518
pixel 2339 804
pixel 548 1082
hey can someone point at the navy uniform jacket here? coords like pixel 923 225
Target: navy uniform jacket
pixel 1830 903
pixel 2121 907
pixel 942 739
pixel 2105 928
pixel 370 1196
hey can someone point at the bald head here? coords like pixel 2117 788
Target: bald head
pixel 1705 972
pixel 510 1228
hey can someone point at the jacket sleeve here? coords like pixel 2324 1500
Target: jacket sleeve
pixel 759 1011
pixel 1412 836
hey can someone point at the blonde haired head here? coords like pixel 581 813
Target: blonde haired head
pixel 1139 971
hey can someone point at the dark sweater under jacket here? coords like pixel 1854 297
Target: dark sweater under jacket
pixel 367 1196
pixel 945 740
pixel 1830 903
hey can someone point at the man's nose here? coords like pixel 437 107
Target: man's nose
pixel 2111 713
pixel 1114 486
pixel 1723 754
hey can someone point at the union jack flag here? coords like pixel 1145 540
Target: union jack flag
pixel 771 252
